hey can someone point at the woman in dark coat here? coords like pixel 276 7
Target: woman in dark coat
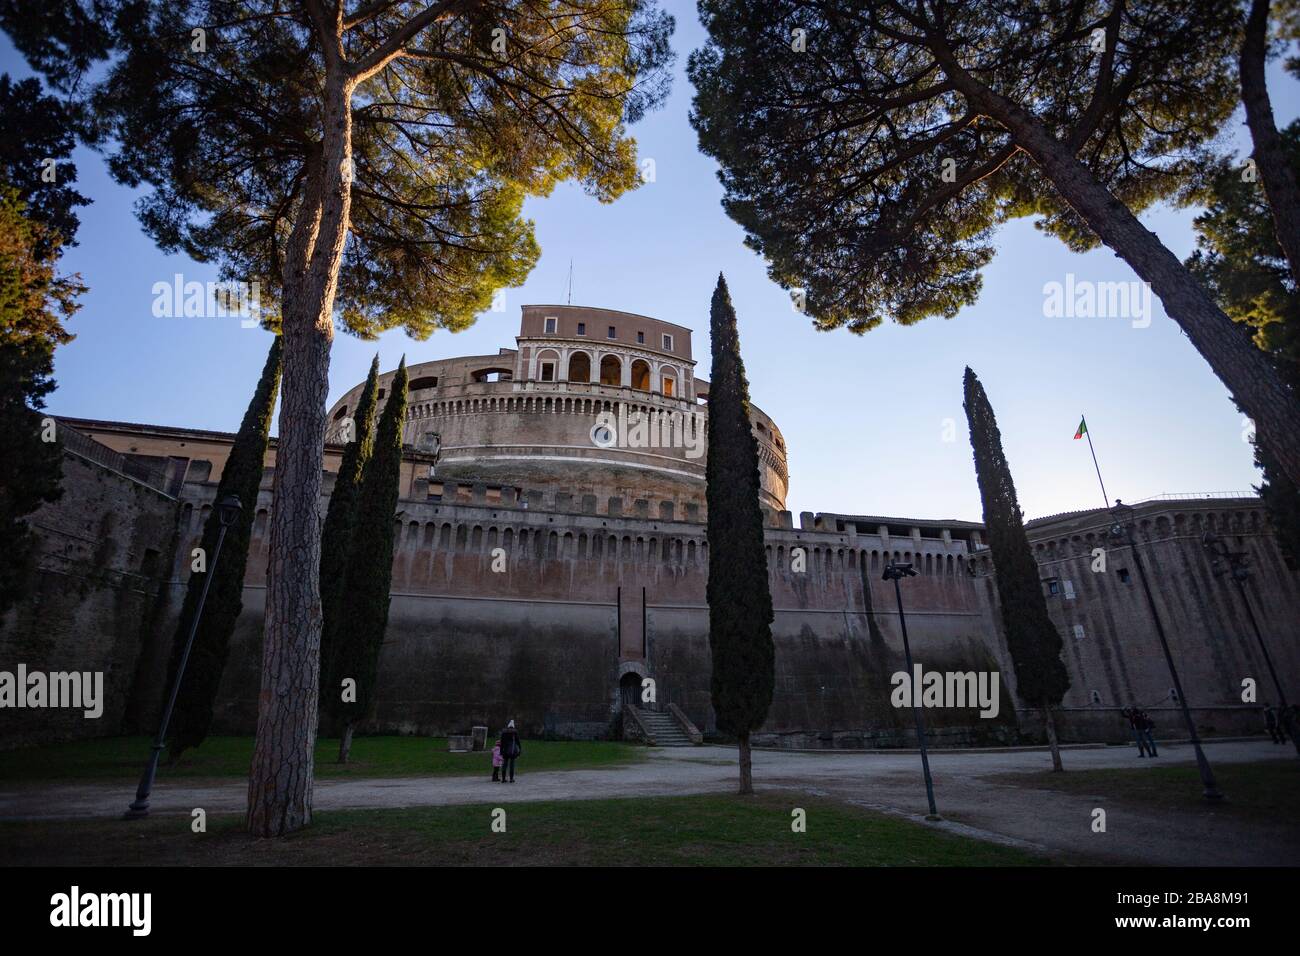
pixel 510 749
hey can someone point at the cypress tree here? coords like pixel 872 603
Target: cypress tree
pixel 740 603
pixel 1032 638
pixel 363 615
pixel 336 536
pixel 241 477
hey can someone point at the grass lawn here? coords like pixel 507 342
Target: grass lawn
pixel 716 830
pixel 1267 792
pixel 122 758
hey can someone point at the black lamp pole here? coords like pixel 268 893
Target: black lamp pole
pixel 895 572
pixel 1122 531
pixel 228 510
pixel 1236 565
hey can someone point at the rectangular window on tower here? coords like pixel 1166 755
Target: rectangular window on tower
pixel 582 328
pixel 668 343
pixel 548 371
pixel 612 334
pixel 551 322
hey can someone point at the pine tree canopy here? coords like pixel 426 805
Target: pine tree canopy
pixel 36 141
pixel 867 178
pixel 214 106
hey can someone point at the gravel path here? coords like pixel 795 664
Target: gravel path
pixel 971 803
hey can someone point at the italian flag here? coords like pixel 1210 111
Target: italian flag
pixel 1083 430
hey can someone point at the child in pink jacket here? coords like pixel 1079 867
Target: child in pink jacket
pixel 497 761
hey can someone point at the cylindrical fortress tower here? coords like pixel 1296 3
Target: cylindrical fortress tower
pixel 592 403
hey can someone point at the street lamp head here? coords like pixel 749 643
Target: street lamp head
pixel 894 572
pixel 228 510
pixel 1121 519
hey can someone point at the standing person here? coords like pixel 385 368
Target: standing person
pixel 1270 722
pixel 496 760
pixel 1130 714
pixel 1146 727
pixel 510 751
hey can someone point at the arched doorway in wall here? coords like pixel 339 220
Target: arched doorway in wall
pixel 629 689
pixel 580 367
pixel 641 375
pixel 611 370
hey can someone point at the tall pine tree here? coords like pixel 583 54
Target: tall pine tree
pixel 336 537
pixel 1032 638
pixel 364 612
pixel 740 603
pixel 1241 261
pixel 241 477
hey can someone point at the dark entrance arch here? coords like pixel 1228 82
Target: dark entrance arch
pixel 629 689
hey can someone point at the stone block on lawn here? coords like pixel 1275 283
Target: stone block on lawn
pixel 460 743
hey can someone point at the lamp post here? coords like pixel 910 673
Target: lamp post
pixel 228 510
pixel 895 572
pixel 1226 561
pixel 1121 530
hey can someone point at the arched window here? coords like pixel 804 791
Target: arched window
pixel 611 371
pixel 641 375
pixel 580 367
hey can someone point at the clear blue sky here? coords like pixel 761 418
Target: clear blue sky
pixel 864 418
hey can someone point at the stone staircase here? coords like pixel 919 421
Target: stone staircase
pixel 663 729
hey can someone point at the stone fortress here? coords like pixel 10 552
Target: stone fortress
pixel 524 418
pixel 577 457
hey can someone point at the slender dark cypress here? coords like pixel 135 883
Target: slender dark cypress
pixel 740 602
pixel 363 617
pixel 241 477
pixel 336 535
pixel 1032 638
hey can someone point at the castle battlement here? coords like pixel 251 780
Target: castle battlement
pixel 539 562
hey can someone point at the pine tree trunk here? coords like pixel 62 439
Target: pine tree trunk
pixel 1244 368
pixel 280 780
pixel 345 743
pixel 1049 721
pixel 746 765
pixel 1270 155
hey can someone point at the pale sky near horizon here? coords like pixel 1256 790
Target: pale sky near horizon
pixel 873 424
